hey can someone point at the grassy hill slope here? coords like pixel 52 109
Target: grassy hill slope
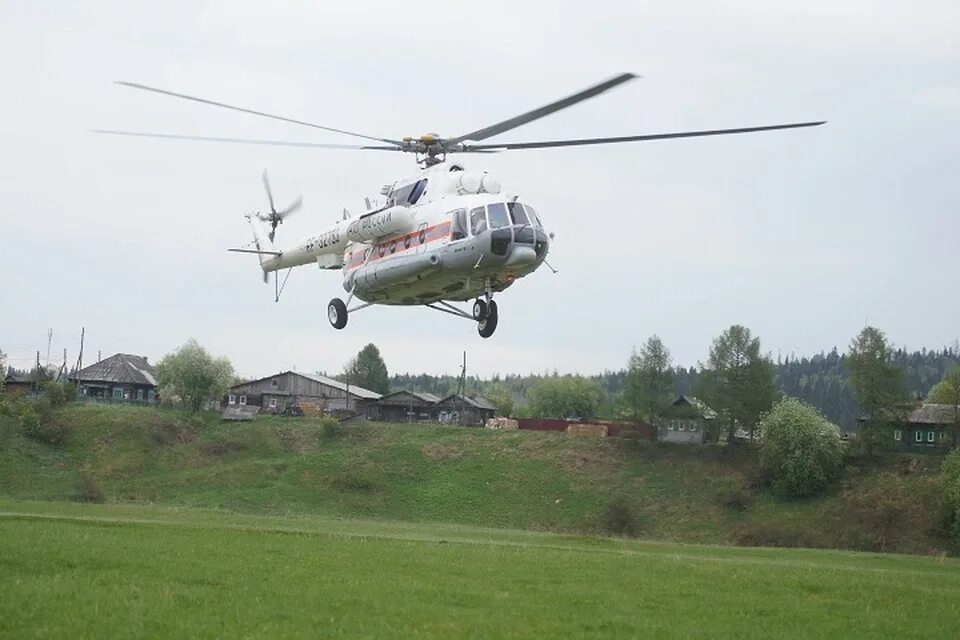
pixel 524 480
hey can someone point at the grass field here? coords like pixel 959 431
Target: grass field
pixel 70 570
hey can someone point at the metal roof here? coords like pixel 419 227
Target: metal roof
pixel 423 396
pixel 478 402
pixel 700 406
pixel 359 392
pixel 119 368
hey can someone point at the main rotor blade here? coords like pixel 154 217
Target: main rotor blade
pixel 266 185
pixel 530 116
pixel 282 143
pixel 251 111
pixel 653 136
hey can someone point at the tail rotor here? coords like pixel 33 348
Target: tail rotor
pixel 276 217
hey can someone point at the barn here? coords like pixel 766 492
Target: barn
pixel 314 394
pixel 404 406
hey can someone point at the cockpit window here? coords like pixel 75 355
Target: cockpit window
pixel 517 215
pixel 458 227
pixel 533 215
pixel 478 221
pixel 498 215
pixel 417 191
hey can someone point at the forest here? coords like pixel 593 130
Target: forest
pixel 821 380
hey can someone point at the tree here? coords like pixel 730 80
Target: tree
pixel 947 391
pixel 801 449
pixel 368 370
pixel 649 380
pixel 738 381
pixel 950 481
pixel 3 368
pixel 877 385
pixel 501 397
pixel 193 375
pixel 566 397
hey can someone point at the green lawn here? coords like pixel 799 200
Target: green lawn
pixel 97 571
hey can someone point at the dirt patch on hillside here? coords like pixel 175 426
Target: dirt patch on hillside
pixel 438 451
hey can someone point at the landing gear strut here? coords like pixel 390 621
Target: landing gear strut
pixel 484 314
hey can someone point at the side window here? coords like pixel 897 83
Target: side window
pixel 458 230
pixel 498 215
pixel 918 435
pixel 478 221
pixel 532 214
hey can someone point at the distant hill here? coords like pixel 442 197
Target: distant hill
pixel 820 380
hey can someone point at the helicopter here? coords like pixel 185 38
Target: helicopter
pixel 441 236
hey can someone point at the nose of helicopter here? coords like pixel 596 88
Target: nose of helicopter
pixel 521 254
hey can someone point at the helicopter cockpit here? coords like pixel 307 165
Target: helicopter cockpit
pixel 508 222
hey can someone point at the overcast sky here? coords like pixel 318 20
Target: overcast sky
pixel 803 236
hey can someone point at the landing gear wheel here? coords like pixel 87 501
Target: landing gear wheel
pixel 488 325
pixel 479 309
pixel 337 313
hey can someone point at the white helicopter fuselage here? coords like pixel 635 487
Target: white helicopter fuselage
pixel 445 234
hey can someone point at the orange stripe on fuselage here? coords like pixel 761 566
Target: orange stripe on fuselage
pixel 382 250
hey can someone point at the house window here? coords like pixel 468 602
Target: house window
pixel 118 393
pixel 680 427
pixel 139 394
pixel 243 400
pixel 931 435
pixel 943 435
pixel 273 403
pixel 274 382
pixel 150 395
pixel 898 435
pixel 231 399
pixel 918 436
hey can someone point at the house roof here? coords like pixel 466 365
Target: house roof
pixel 701 407
pixel 359 392
pixel 478 402
pixel 932 414
pixel 120 368
pixel 423 396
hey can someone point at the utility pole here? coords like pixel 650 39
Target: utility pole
pixel 462 386
pixel 80 358
pixel 49 340
pixel 36 375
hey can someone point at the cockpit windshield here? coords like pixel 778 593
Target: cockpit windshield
pixel 517 214
pixel 498 215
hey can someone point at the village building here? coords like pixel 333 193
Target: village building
pixel 687 421
pixel 928 427
pixel 19 383
pixel 404 406
pixel 460 409
pixel 122 377
pixel 312 394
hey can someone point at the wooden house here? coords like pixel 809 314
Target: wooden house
pixel 460 409
pixel 404 406
pixel 928 427
pixel 687 420
pixel 313 394
pixel 123 377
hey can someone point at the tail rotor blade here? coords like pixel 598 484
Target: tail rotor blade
pixel 266 185
pixel 295 206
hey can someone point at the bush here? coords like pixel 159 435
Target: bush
pixel 951 494
pixel 801 450
pixel 59 394
pixel 42 428
pixel 88 490
pixel 618 519
pixel 330 428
